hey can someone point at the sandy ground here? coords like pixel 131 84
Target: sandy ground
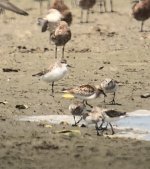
pixel 111 41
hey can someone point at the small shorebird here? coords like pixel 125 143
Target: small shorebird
pixel 86 5
pixel 85 92
pixel 141 11
pixel 54 73
pixel 5 4
pixel 60 36
pixel 110 116
pixel 94 116
pixel 109 86
pixel 50 21
pixel 98 114
pixel 63 9
pixel 77 109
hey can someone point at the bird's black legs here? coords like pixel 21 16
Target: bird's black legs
pixel 111 4
pixel 63 49
pixel 103 2
pixel 104 98
pixel 113 100
pixel 81 19
pixel 97 129
pixel 87 16
pixel 55 52
pixel 75 124
pixel 86 103
pixel 53 89
pixel 112 128
pixel 142 26
pixel 41 7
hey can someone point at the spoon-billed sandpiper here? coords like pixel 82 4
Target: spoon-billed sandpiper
pixel 54 73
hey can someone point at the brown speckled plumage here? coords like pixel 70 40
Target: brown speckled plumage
pixel 60 36
pixel 85 92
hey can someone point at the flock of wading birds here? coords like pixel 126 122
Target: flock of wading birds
pixel 57 22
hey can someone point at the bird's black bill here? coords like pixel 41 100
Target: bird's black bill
pixel 70 66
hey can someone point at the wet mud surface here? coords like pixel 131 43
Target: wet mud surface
pixel 110 45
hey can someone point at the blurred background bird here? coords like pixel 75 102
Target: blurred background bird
pixel 141 11
pixel 5 4
pixel 63 9
pixel 86 5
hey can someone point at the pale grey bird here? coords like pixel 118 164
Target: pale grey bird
pixel 54 73
pixel 5 4
pixel 109 86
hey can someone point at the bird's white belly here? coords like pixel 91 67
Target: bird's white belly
pixel 54 75
pixel 93 96
pixel 112 119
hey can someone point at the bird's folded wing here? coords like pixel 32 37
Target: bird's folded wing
pixel 41 73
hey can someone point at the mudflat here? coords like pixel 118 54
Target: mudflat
pixel 110 45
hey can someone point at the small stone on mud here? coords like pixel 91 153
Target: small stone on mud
pixel 21 106
pixel 146 95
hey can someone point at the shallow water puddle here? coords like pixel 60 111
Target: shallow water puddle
pixel 135 125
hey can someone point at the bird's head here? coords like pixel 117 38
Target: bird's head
pixel 100 90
